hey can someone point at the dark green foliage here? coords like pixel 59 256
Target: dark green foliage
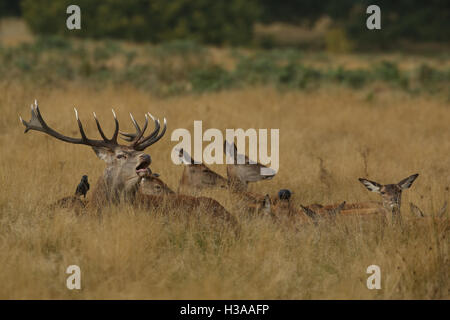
pixel 410 20
pixel 217 22
pixel 210 79
pixel 9 8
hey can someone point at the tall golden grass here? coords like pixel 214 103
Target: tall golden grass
pixel 130 253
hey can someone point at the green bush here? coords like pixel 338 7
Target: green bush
pixel 216 22
pixel 210 79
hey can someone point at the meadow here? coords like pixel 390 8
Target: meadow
pixel 341 117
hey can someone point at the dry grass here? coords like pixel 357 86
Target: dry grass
pixel 135 254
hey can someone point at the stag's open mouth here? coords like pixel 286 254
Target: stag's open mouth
pixel 143 168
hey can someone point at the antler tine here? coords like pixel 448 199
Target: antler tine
pixel 139 136
pixel 130 136
pixel 113 140
pixel 135 137
pixel 138 142
pixel 136 125
pixel 152 139
pixel 116 130
pixel 155 131
pixel 83 135
pixel 99 128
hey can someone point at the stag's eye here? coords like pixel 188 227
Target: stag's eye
pixel 120 156
pixel 382 192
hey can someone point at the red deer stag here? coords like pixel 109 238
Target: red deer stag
pixel 125 164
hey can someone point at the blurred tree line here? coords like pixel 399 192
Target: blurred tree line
pixel 231 22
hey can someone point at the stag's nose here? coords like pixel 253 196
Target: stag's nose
pixel 145 158
pixel 144 162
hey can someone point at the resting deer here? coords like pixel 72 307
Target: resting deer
pixel 197 176
pixel 281 210
pixel 153 193
pixel 390 195
pixel 125 164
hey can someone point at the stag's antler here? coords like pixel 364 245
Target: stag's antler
pixel 37 123
pixel 138 141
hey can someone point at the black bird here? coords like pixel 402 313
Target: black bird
pixel 82 187
pixel 284 194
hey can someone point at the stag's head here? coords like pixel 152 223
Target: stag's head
pixel 391 194
pixel 125 164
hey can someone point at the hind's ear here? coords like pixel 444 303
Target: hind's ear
pixel 185 157
pixel 406 183
pixel 371 185
pixel 415 210
pixel 230 149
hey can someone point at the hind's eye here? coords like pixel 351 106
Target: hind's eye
pixel 382 192
pixel 120 156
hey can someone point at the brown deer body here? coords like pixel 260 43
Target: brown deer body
pixel 390 204
pixel 154 194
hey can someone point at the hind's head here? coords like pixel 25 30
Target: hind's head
pixel 151 184
pixel 243 170
pixel 197 176
pixel 391 194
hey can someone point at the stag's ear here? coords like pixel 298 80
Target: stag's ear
pixel 371 185
pixel 103 154
pixel 406 183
